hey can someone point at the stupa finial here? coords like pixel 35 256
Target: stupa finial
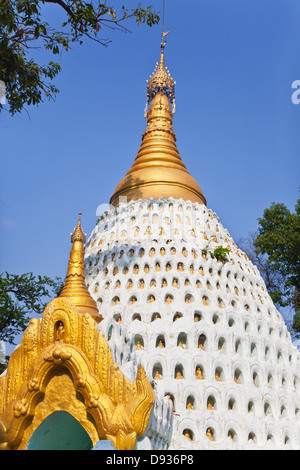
pixel 78 232
pixel 75 288
pixel 161 80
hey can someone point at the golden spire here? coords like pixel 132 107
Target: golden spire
pixel 161 79
pixel 158 170
pixel 75 288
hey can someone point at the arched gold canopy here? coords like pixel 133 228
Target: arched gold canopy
pixel 158 170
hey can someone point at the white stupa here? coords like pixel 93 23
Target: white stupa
pixel 199 320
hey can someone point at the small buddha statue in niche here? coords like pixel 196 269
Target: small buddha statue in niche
pixel 199 375
pixel 136 269
pixel 153 283
pixel 189 405
pixel 210 405
pixel 129 285
pixel 209 434
pixel 217 376
pixel 142 284
pixel 157 267
pixel 157 375
pixel 138 345
pixel 162 251
pixel 175 283
pixel 151 299
pixel 169 299
pixel 181 344
pixel 161 344
pixel 180 267
pixel 60 331
pixel 164 283
pixel 179 375
pixel 187 434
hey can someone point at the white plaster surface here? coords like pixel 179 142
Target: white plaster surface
pixel 146 258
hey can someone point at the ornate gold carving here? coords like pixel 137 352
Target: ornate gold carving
pixel 46 374
pixel 161 81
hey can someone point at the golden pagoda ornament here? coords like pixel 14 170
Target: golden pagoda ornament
pixel 75 288
pixel 158 170
pixel 64 367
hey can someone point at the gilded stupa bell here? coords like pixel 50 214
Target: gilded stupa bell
pixel 158 170
pixel 75 288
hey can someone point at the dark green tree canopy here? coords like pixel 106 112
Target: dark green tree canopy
pixel 275 250
pixel 24 27
pixel 21 296
pixel 279 238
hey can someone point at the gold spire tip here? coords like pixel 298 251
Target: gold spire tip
pixel 161 80
pixel 78 234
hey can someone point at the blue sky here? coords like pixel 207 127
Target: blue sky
pixel 234 62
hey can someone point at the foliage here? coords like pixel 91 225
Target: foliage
pixel 23 27
pixel 275 250
pixel 219 253
pixel 21 296
pixel 279 238
pixel 273 279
